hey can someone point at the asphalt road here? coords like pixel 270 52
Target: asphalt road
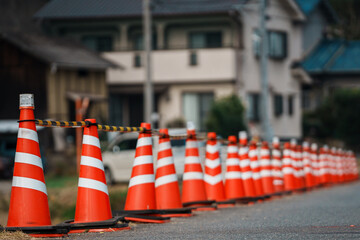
pixel 328 213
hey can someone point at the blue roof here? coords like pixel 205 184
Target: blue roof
pixel 67 9
pixel 307 6
pixel 334 56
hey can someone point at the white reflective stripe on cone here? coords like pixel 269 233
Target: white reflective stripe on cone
pixel 164 146
pixel 264 162
pixel 232 149
pixel 212 163
pixel 145 159
pixel 24 182
pixel 243 150
pixel 276 163
pixel 28 158
pixel 276 153
pixel 264 152
pixel 256 175
pixel 144 141
pixel 192 176
pixel 191 144
pixel 278 182
pixel 254 164
pixel 212 180
pixel 92 162
pixel 245 163
pixel 93 184
pixel 233 175
pixel 141 179
pixel 165 180
pixel 265 173
pixel 90 140
pixel 288 170
pixel 246 175
pixel 232 162
pixel 192 159
pixel 28 134
pixel 164 162
pixel 212 148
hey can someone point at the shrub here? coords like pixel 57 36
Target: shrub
pixel 226 116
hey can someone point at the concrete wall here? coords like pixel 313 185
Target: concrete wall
pixel 173 66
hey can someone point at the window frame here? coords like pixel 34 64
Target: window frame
pixel 256 44
pixel 278 105
pixel 206 35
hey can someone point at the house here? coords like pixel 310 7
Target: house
pixel 320 16
pixel 333 64
pixel 56 71
pixel 202 50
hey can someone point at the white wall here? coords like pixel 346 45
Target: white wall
pixel 279 71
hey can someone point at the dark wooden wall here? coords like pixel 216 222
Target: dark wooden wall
pixel 20 73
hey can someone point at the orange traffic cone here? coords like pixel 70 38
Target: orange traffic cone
pixel 29 201
pixel 193 191
pixel 340 165
pixel 334 175
pixel 253 155
pixel 93 204
pixel 277 174
pixel 315 164
pixel 233 182
pixel 214 185
pixel 266 171
pixel 307 165
pixel 287 169
pixel 300 166
pixel 140 205
pixel 166 182
pixel 245 167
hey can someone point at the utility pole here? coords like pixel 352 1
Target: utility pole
pixel 265 122
pixel 148 86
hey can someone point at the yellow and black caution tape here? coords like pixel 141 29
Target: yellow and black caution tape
pixel 108 128
pixel 69 124
pixel 121 129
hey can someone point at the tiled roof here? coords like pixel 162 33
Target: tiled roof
pixel 334 56
pixel 307 6
pixel 66 9
pixel 61 52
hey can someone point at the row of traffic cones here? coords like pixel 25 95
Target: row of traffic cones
pixel 252 174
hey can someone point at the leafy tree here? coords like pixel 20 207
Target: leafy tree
pixel 226 116
pixel 336 118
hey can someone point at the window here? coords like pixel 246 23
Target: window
pixel 98 43
pixel 278 105
pixel 205 40
pixel 253 109
pixel 138 42
pixel 277 44
pixel 306 104
pixel 137 60
pixel 196 107
pixel 193 59
pixel 290 105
